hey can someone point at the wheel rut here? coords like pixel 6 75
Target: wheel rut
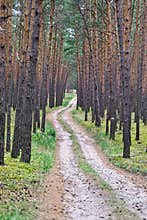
pixel 134 196
pixel 80 198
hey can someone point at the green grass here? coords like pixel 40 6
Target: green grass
pixel 113 149
pixel 80 159
pixel 17 179
pixel 119 210
pixel 67 99
pixel 86 167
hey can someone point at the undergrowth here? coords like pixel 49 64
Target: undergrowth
pixel 113 149
pixel 17 179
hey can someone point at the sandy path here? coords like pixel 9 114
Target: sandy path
pixel 81 200
pixel 134 196
pixel 50 195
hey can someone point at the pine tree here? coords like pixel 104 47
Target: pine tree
pixel 3 25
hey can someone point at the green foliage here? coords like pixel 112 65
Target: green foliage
pixel 17 179
pixel 113 149
pixel 16 211
pixel 43 146
pixel 67 99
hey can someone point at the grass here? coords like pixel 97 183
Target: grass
pixel 87 169
pixel 17 179
pixel 67 99
pixel 80 159
pixel 113 149
pixel 119 210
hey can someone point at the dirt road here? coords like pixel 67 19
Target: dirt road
pixel 79 198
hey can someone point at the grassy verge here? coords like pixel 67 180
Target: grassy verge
pixel 113 149
pixel 17 180
pixel 118 207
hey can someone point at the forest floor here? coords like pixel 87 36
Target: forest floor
pixel 84 185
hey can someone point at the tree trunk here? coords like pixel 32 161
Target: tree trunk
pixel 123 20
pixel 9 75
pixel 3 25
pixel 28 102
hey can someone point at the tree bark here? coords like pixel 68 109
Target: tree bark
pixel 3 25
pixel 123 19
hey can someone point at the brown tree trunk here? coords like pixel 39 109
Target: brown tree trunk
pixel 31 78
pixel 144 51
pixel 44 90
pixel 59 73
pixel 53 74
pixel 96 73
pixel 110 71
pixel 123 19
pixel 9 74
pixel 3 25
pixel 24 43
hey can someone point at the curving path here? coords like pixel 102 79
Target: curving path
pixel 134 196
pixel 80 199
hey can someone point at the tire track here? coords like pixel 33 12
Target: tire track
pixel 134 196
pixel 82 200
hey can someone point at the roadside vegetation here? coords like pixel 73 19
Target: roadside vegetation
pixel 67 99
pixel 118 207
pixel 18 180
pixel 113 148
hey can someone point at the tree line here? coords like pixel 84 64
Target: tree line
pixel 32 69
pixel 112 64
pixel 103 42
